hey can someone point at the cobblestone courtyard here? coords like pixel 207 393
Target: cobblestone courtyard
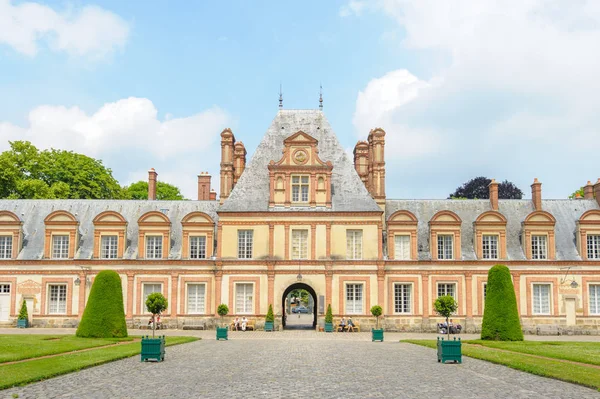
pixel 299 364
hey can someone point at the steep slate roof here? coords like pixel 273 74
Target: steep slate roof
pixel 33 213
pixel 566 212
pixel 251 193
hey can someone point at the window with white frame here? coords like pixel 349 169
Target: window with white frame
pixel 402 294
pixel 5 247
pixel 402 247
pixel 541 298
pixel 245 238
pixel 4 288
pixel 196 294
pixel 539 248
pixel 299 244
pixel 150 288
pixel 594 299
pixel 593 246
pixel 445 243
pixel 446 289
pixel 60 246
pixel 57 299
pixel 489 246
pixel 108 246
pixel 244 294
pixel 354 244
pixel 354 298
pixel 154 247
pixel 197 247
pixel 300 188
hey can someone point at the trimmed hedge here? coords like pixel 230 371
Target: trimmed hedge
pixel 500 317
pixel 104 315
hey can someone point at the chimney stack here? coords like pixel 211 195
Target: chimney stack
pixel 493 187
pixel 212 195
pixel 152 176
pixel 597 191
pixel 536 194
pixel 588 191
pixel 203 186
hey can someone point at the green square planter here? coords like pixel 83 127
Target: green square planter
pixel 449 350
pixel 328 327
pixel 153 348
pixel 22 323
pixel 377 335
pixel 222 333
pixel 269 326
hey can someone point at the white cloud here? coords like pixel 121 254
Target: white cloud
pixel 90 31
pixel 128 136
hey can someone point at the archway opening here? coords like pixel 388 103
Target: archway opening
pixel 302 314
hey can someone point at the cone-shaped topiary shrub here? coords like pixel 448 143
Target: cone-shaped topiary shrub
pixel 23 315
pixel 329 315
pixel 270 317
pixel 500 316
pixel 104 316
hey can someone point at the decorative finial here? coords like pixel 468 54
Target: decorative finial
pixel 321 97
pixel 280 97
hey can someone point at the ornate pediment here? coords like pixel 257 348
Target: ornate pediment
pixel 300 151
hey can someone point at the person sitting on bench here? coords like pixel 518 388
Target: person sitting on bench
pixel 244 323
pixel 342 324
pixel 350 325
pixel 236 324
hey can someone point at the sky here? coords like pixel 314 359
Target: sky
pixel 507 90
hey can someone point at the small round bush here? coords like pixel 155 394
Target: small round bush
pixel 104 315
pixel 500 316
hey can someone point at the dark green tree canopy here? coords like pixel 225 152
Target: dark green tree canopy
pixel 164 191
pixel 500 316
pixel 477 188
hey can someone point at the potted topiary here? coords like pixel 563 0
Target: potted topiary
pixel 447 350
pixel 377 333
pixel 269 320
pixel 154 348
pixel 329 319
pixel 23 320
pixel 222 310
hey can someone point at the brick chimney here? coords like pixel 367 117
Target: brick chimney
pixel 536 194
pixel 493 187
pixel 361 161
pixel 212 195
pixel 588 191
pixel 597 191
pixel 203 186
pixel 239 161
pixel 227 169
pixel 152 177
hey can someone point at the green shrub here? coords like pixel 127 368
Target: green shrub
pixel 104 315
pixel 329 315
pixel 500 316
pixel 445 305
pixel 270 317
pixel 156 303
pixel 376 311
pixel 222 310
pixel 23 315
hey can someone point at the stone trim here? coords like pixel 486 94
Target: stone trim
pixel 46 281
pixel 366 281
pixel 414 281
pixel 553 281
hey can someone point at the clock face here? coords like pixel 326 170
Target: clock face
pixel 300 156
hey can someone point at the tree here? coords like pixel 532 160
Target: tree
pixel 574 195
pixel 376 311
pixel 477 188
pixel 500 316
pixel 164 191
pixel 222 311
pixel 156 303
pixel 27 173
pixel 329 315
pixel 445 305
pixel 104 314
pixel 270 316
pixel 23 315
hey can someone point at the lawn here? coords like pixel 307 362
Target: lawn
pixel 547 367
pixel 41 369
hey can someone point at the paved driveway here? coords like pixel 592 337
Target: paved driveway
pixel 285 366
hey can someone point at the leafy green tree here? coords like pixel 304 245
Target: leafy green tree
pixel 445 305
pixel 574 195
pixel 222 311
pixel 164 191
pixel 500 316
pixel 104 314
pixel 156 303
pixel 477 188
pixel 376 311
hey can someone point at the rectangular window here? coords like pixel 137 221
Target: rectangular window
pixel 6 247
pixel 445 244
pixel 447 289
pixel 354 298
pixel 108 246
pixel 299 188
pixel 538 247
pixel 154 247
pixel 541 299
pixel 245 244
pixel 196 298
pixel 150 288
pixel 353 244
pixel 593 246
pixel 243 297
pixel 402 298
pixel 595 299
pixel 490 247
pixel 299 244
pixel 60 246
pixel 4 288
pixel 197 247
pixel 402 247
pixel 57 299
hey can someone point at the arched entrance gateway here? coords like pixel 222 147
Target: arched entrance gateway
pixel 286 308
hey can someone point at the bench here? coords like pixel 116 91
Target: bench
pixel 194 325
pixel 338 328
pixel 249 325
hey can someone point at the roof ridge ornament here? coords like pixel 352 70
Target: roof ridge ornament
pixel 321 97
pixel 280 97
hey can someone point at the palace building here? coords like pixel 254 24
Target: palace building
pixel 302 214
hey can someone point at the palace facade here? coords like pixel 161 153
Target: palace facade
pixel 301 214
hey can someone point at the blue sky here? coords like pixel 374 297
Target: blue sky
pixel 462 91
